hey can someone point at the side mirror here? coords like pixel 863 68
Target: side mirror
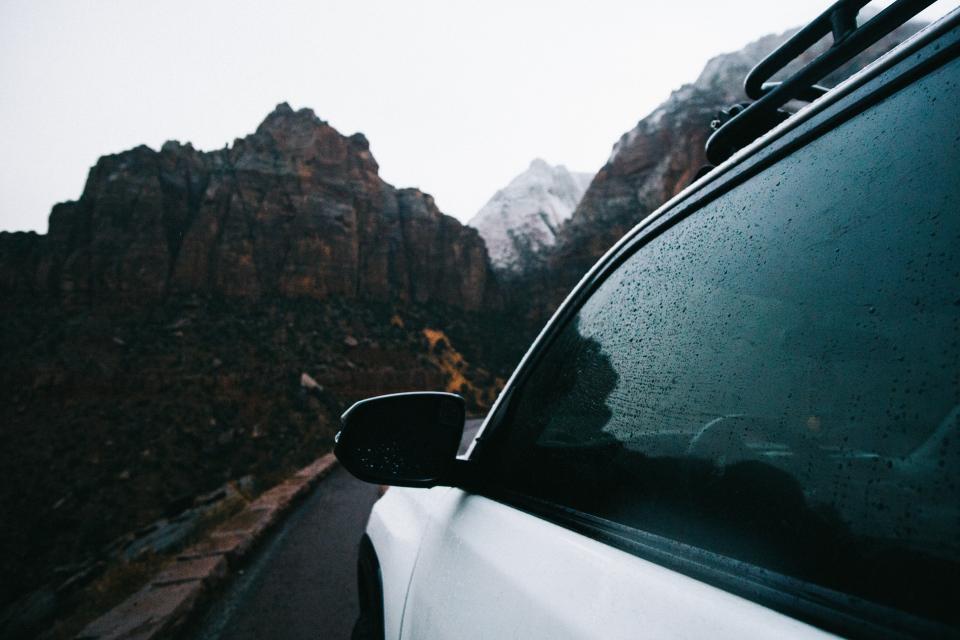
pixel 402 439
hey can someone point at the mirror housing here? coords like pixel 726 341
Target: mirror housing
pixel 402 439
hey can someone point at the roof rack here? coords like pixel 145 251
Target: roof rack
pixel 741 124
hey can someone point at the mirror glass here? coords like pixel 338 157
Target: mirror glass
pixel 404 439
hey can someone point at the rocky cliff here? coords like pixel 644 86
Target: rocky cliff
pixel 198 317
pixel 295 210
pixel 653 162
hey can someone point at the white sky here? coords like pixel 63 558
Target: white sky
pixel 455 97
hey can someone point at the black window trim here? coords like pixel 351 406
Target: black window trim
pixel 838 613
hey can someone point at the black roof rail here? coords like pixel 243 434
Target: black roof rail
pixel 742 124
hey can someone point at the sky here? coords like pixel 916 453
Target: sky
pixel 455 97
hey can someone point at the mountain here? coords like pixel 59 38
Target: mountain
pixel 293 210
pixel 156 341
pixel 650 164
pixel 523 218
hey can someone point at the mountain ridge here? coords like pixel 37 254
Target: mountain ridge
pixel 654 161
pixel 156 338
pixel 293 209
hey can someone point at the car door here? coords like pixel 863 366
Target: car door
pixel 725 438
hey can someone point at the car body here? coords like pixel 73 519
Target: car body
pixel 744 419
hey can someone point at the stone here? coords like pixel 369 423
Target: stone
pixel 307 382
pixel 230 544
pixel 152 612
pixel 251 521
pixel 208 569
pixel 318 468
pixel 282 496
pixel 245 485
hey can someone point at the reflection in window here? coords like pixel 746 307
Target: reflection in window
pixel 776 378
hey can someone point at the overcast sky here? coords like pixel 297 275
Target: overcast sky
pixel 456 98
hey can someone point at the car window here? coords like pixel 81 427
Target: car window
pixel 775 378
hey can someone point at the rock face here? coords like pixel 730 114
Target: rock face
pixel 656 160
pixel 523 218
pixel 19 260
pixel 293 210
pixel 196 317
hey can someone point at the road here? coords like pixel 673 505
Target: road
pixel 302 582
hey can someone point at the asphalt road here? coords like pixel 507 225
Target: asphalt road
pixel 301 584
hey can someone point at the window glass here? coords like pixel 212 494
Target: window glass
pixel 775 378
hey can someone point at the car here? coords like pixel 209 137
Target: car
pixel 743 421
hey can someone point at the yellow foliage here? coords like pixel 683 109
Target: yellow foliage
pixel 434 336
pixel 450 361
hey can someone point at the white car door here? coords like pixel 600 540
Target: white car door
pixel 705 443
pixel 487 570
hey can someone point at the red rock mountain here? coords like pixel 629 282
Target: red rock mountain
pixel 295 210
pixel 156 341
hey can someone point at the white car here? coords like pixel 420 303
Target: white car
pixel 743 422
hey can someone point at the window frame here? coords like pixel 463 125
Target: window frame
pixel 833 611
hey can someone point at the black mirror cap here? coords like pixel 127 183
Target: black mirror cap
pixel 402 439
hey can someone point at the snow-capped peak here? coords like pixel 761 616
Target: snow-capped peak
pixel 523 217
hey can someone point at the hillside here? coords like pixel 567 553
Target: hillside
pixel 155 341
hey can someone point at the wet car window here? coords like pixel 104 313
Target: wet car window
pixel 775 378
